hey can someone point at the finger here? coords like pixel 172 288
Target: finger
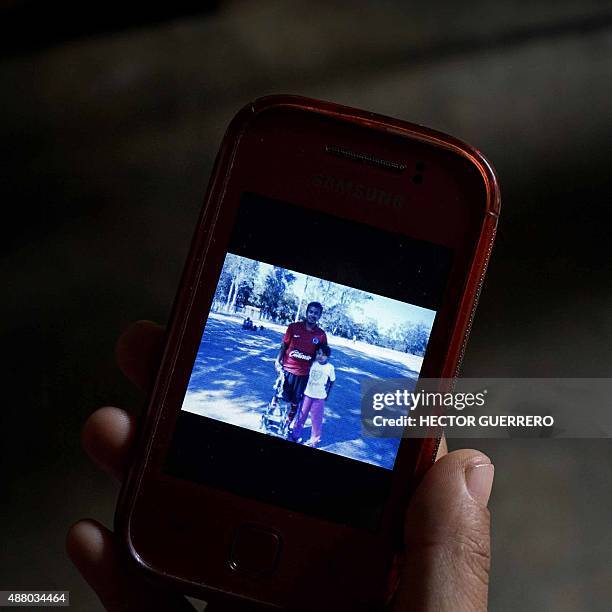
pixel 108 437
pixel 139 351
pixel 447 537
pixel 96 554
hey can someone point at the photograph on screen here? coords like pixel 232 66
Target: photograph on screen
pixel 283 354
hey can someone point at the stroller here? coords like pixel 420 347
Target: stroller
pixel 275 419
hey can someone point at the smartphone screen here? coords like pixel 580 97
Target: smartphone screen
pixel 306 307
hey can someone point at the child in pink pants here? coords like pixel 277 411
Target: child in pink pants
pixel 320 381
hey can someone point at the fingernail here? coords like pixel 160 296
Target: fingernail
pixel 479 481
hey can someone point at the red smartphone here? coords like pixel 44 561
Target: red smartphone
pixel 334 246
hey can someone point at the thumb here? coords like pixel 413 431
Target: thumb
pixel 447 537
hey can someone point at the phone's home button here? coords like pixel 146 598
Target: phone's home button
pixel 255 550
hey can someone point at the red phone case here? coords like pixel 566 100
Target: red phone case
pixel 140 492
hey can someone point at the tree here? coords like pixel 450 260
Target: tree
pixel 302 299
pixel 337 305
pixel 236 282
pixel 339 321
pixel 275 301
pixel 413 338
pixel 369 332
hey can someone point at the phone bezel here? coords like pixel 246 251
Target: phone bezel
pixel 184 512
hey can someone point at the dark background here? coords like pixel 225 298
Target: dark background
pixel 107 135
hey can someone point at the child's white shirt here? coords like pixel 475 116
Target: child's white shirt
pixel 317 379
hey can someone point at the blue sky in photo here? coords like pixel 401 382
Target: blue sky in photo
pixel 386 311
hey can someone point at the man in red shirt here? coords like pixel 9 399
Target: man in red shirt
pixel 297 352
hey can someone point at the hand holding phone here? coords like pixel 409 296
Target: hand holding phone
pixel 448 577
pixel 387 228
